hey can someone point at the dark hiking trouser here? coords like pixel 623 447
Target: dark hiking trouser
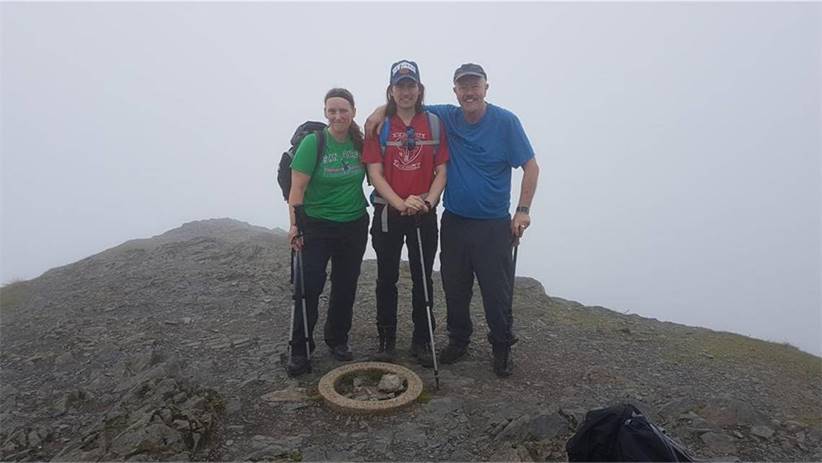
pixel 480 247
pixel 388 246
pixel 344 244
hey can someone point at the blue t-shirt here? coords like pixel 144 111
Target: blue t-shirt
pixel 482 156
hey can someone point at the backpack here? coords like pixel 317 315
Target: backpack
pixel 622 433
pixel 433 126
pixel 284 169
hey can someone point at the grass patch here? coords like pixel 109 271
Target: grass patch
pixel 424 397
pixel 739 348
pixel 13 294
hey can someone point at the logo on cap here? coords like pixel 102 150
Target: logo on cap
pixel 404 70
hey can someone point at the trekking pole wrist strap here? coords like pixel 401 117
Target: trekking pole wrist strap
pixel 299 218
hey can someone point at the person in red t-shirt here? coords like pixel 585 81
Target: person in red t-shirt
pixel 408 170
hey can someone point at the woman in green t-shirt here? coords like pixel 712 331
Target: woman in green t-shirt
pixel 328 199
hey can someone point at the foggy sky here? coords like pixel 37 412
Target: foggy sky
pixel 679 144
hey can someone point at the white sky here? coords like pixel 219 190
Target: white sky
pixel 679 144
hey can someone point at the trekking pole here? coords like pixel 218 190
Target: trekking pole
pixel 514 338
pixel 298 215
pixel 293 298
pixel 428 305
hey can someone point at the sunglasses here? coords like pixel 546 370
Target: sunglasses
pixel 410 138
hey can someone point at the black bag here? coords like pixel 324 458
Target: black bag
pixel 622 433
pixel 284 169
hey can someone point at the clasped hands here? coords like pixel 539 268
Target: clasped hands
pixel 413 205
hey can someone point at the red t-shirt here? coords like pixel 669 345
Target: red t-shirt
pixel 408 171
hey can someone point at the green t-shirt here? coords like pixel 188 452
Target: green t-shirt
pixel 335 190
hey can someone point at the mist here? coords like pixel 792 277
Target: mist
pixel 680 144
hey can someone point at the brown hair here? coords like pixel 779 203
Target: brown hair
pixel 354 131
pixel 391 105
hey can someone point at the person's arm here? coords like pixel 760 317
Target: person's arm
pixel 407 206
pixel 375 173
pixel 435 190
pixel 521 220
pixel 299 182
pixel 374 122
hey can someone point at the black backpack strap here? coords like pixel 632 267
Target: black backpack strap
pixel 320 134
pixel 434 128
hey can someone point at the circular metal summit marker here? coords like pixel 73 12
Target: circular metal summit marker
pixel 339 403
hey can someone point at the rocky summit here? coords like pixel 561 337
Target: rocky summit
pixel 169 348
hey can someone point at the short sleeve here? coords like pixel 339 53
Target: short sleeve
pixel 305 159
pixel 371 152
pixel 520 147
pixel 442 152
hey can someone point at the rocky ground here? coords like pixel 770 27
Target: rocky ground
pixel 169 348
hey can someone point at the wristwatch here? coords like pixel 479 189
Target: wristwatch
pixel 523 209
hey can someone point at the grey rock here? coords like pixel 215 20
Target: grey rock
pixel 64 359
pixel 547 426
pixel 232 270
pixel 314 453
pixel 793 426
pixel 73 400
pixel 509 453
pixel 410 433
pixel 678 407
pixel 516 430
pixel 727 412
pixel 289 394
pixel 390 383
pixel 260 442
pixel 233 405
pixel 719 442
pixel 762 431
pixel 269 453
pixel 462 454
pixel 450 379
pixel 158 437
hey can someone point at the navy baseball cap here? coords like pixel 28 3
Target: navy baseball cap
pixel 404 69
pixel 469 69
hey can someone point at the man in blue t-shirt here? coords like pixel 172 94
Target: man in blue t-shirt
pixel 477 230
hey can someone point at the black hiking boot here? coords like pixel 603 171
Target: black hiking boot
pixel 388 349
pixel 422 352
pixel 452 353
pixel 342 353
pixel 298 365
pixel 503 363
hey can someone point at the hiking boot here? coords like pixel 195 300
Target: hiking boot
pixel 503 363
pixel 342 353
pixel 452 353
pixel 422 352
pixel 388 349
pixel 298 365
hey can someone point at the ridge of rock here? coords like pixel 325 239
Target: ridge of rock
pixel 167 348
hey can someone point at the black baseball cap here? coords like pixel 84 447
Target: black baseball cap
pixel 469 69
pixel 404 69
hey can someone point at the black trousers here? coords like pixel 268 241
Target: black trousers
pixel 388 246
pixel 344 244
pixel 483 248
